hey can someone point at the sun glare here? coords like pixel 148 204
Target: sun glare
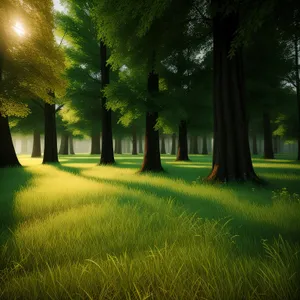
pixel 19 29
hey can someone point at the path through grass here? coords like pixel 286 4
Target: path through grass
pixel 82 231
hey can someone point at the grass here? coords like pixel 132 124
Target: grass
pixel 82 231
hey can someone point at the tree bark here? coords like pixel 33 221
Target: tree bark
pixel 151 160
pixel 182 151
pixel 36 148
pixel 71 143
pixel 8 156
pixel 194 145
pixel 95 143
pixel 231 150
pixel 268 147
pixel 254 140
pixel 134 140
pixel 173 146
pixel 140 144
pixel 163 145
pixel 204 145
pixel 64 144
pixel 50 145
pixel 107 153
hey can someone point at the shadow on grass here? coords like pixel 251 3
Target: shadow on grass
pixel 279 178
pixel 249 232
pixel 12 180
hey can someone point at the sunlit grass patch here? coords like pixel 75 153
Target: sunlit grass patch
pixel 84 231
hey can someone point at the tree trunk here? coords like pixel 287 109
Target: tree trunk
pixel 296 46
pixel 140 144
pixel 50 145
pixel 95 146
pixel 71 143
pixel 163 145
pixel 194 145
pixel 204 145
pixel 64 144
pixel 173 146
pixel 182 152
pixel 151 160
pixel 36 148
pixel 107 153
pixel 8 156
pixel 231 151
pixel 134 140
pixel 268 147
pixel 118 146
pixel 254 140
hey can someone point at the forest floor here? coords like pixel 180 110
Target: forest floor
pixel 82 231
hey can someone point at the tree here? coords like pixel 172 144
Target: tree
pixel 116 23
pixel 89 64
pixel 28 65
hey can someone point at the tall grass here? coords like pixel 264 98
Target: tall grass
pixel 80 231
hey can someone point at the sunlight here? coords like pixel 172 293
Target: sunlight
pixel 19 28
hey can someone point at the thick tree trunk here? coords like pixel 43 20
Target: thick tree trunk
pixel 194 145
pixel 182 152
pixel 50 148
pixel 71 143
pixel 204 145
pixel 95 143
pixel 254 141
pixel 107 153
pixel 231 151
pixel 151 160
pixel 268 147
pixel 8 156
pixel 140 144
pixel 151 153
pixel 64 144
pixel 134 140
pixel 163 145
pixel 173 146
pixel 36 148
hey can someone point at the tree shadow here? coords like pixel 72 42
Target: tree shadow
pixel 12 180
pixel 250 232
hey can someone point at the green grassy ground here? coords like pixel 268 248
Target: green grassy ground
pixel 82 231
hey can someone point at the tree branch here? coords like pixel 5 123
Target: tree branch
pixel 290 80
pixel 62 39
pixel 59 108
